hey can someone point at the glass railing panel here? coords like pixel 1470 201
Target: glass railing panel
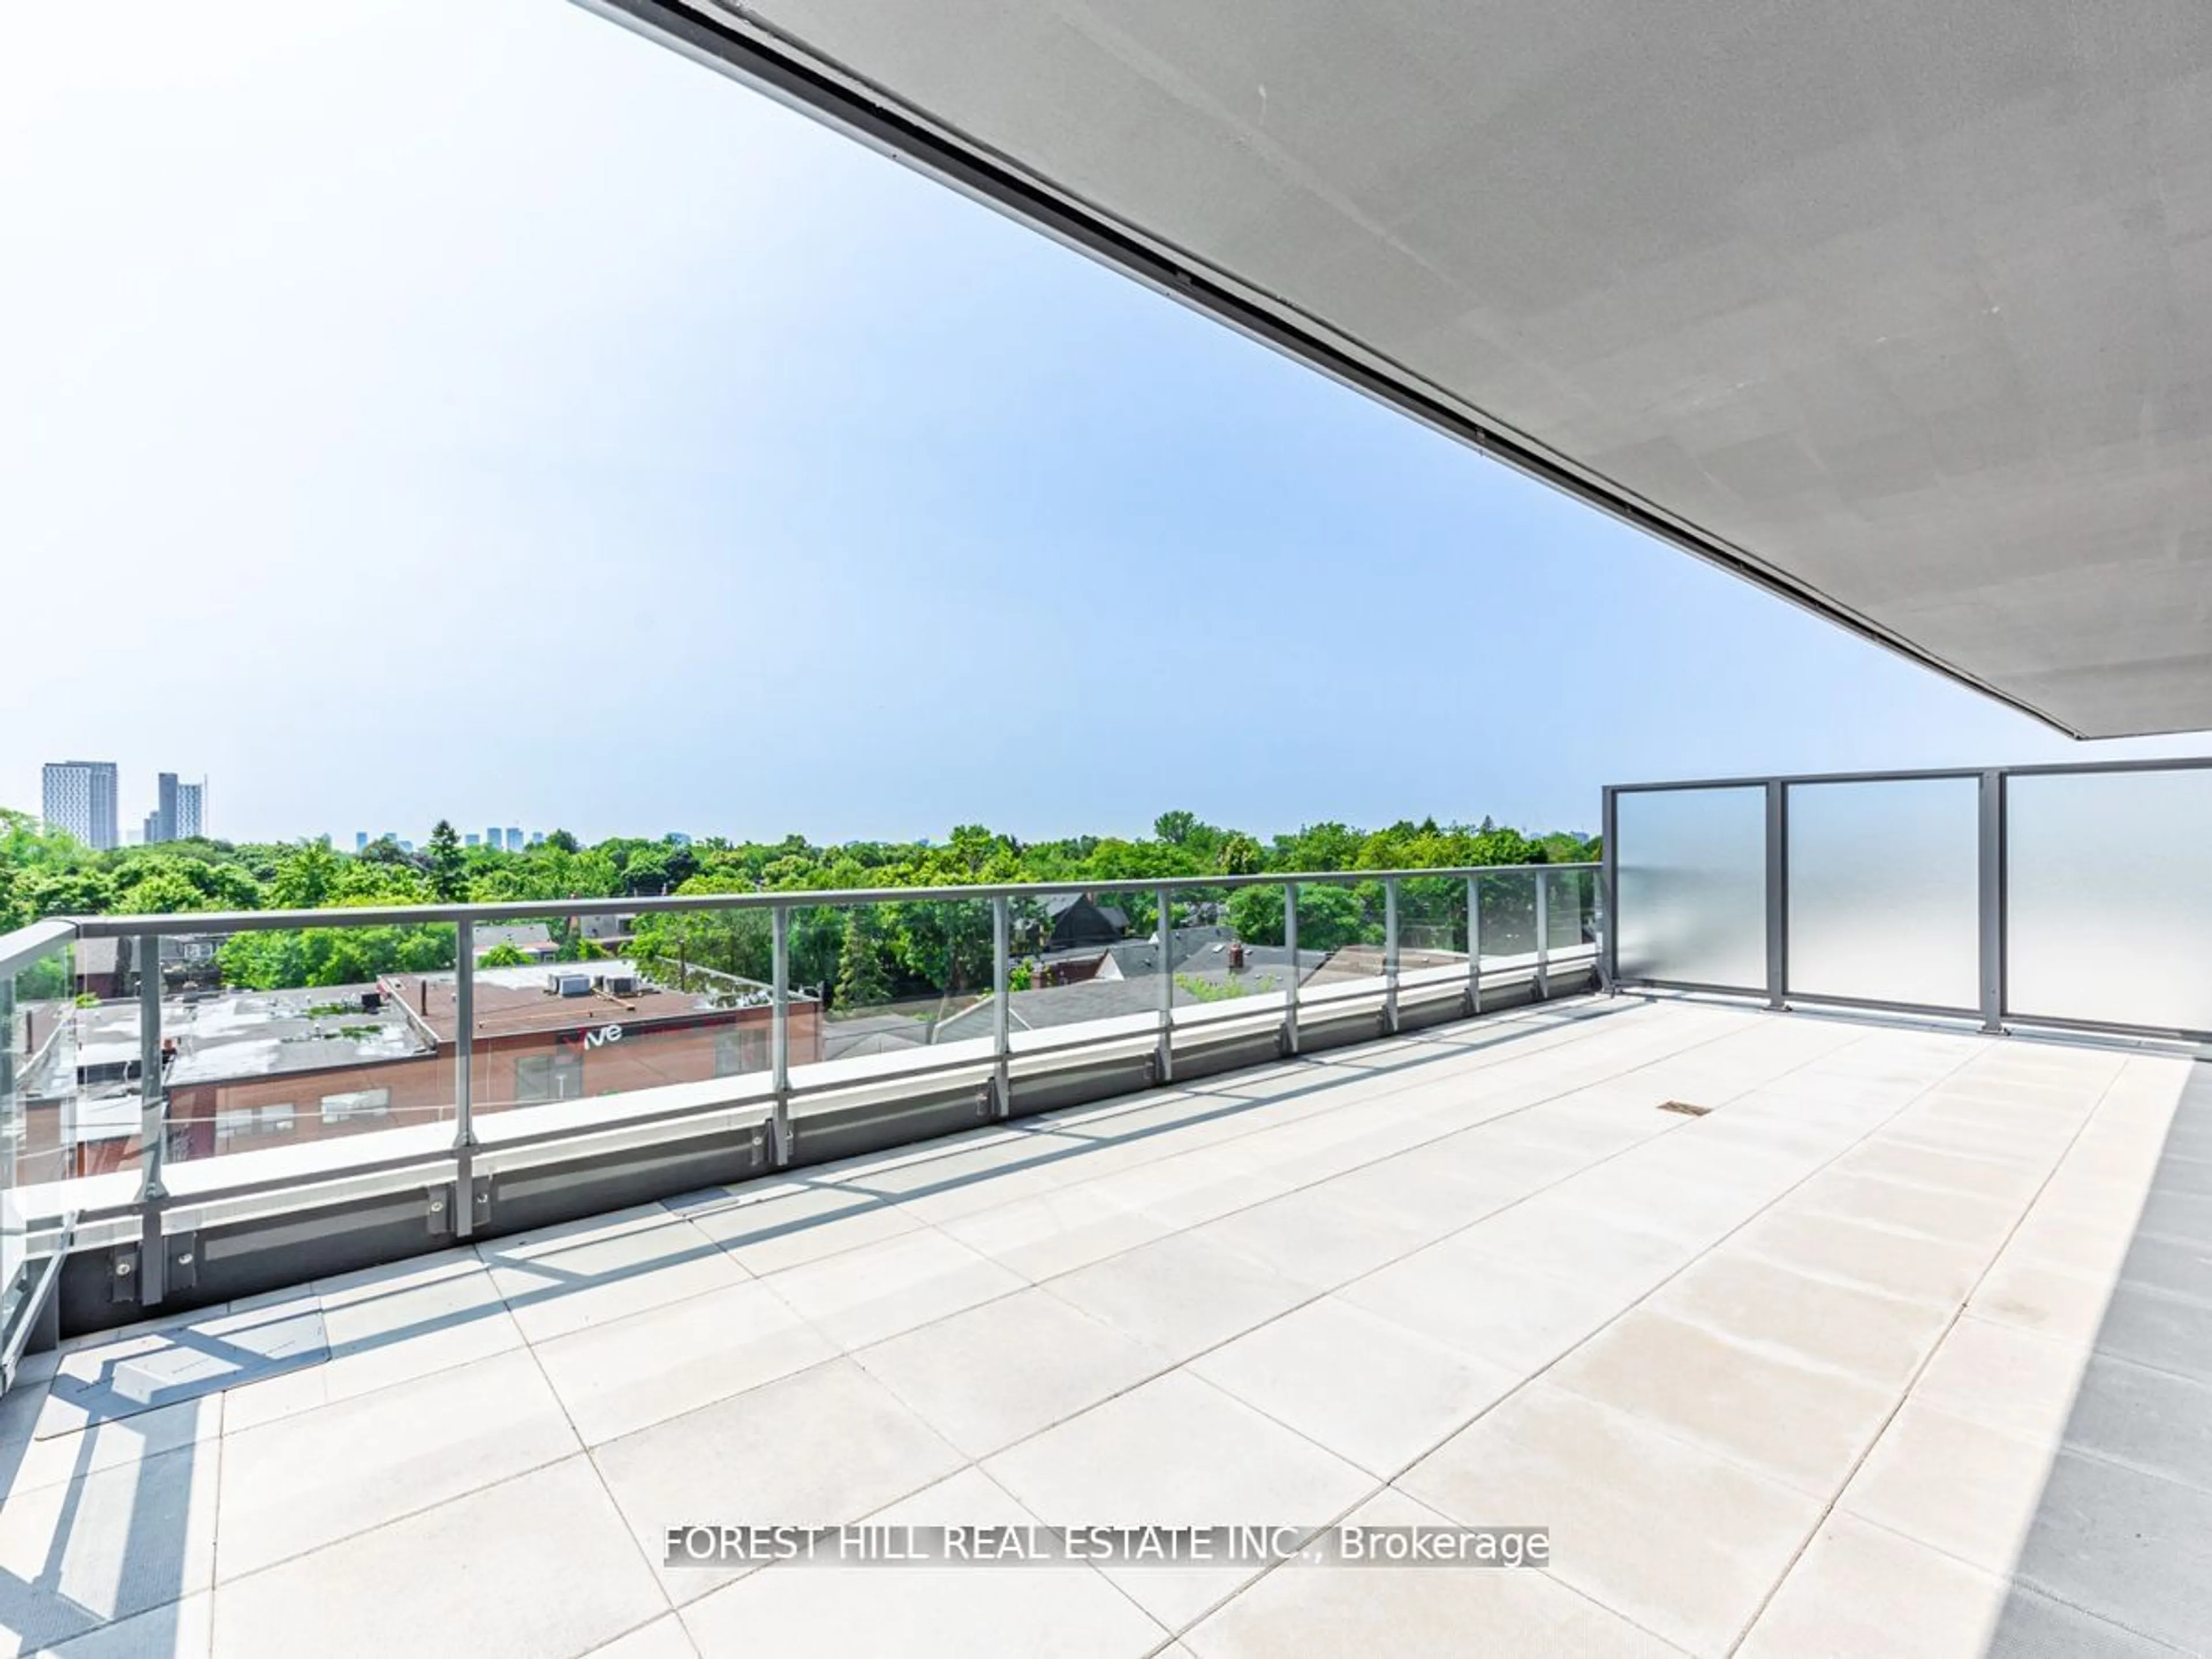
pixel 1691 871
pixel 879 987
pixel 670 998
pixel 1340 942
pixel 1432 930
pixel 1507 904
pixel 74 1097
pixel 1884 899
pixel 1221 972
pixel 2108 911
pixel 282 1037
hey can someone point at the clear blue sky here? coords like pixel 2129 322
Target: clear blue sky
pixel 415 409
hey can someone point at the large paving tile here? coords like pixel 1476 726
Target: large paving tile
pixel 1799 1423
pixel 2149 1420
pixel 1188 1188
pixel 1315 1236
pixel 2168 1333
pixel 539 1567
pixel 1371 1391
pixel 1056 1232
pixel 1338 1611
pixel 864 1295
pixel 1176 1452
pixel 1860 1591
pixel 921 1612
pixel 615 1378
pixel 1873 1258
pixel 1948 1216
pixel 995 1374
pixel 821 1447
pixel 1552 1233
pixel 112 1442
pixel 1498 1312
pixel 1880 1338
pixel 310 1479
pixel 2004 1378
pixel 606 1269
pixel 770 1226
pixel 179 1361
pixel 1944 1170
pixel 1182 1294
pixel 1678 1541
pixel 120 1541
pixel 388 1325
pixel 176 1630
pixel 664 1638
pixel 1968 1491
pixel 2051 1302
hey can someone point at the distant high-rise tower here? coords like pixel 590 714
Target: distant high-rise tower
pixel 360 840
pixel 79 799
pixel 514 838
pixel 493 839
pixel 189 824
pixel 162 826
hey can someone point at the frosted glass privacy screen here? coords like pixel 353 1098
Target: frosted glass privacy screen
pixel 2109 897
pixel 1885 890
pixel 1693 878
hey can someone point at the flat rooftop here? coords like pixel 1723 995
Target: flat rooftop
pixel 1903 1346
pixel 514 1001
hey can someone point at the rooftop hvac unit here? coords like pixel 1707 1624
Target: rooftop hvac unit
pixel 372 1002
pixel 574 985
pixel 618 985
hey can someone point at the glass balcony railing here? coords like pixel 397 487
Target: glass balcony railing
pixel 168 1075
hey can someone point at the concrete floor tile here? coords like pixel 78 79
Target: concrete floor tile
pixel 2169 1333
pixel 2052 1301
pixel 1968 1491
pixel 1373 1392
pixel 1949 1217
pixel 176 1630
pixel 995 1374
pixel 821 1447
pixel 615 1378
pixel 1181 1294
pixel 2126 1546
pixel 664 1638
pixel 567 1278
pixel 530 1568
pixel 864 1295
pixel 1056 1232
pixel 2004 1378
pixel 111 1544
pixel 1860 1591
pixel 1895 1264
pixel 1497 1312
pixel 1566 1240
pixel 1315 1236
pixel 1880 1338
pixel 1804 1425
pixel 921 1612
pixel 783 1224
pixel 30 1463
pixel 1176 1452
pixel 382 1454
pixel 1335 1612
pixel 1680 1542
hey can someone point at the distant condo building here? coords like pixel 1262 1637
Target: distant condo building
pixel 79 799
pixel 514 839
pixel 179 809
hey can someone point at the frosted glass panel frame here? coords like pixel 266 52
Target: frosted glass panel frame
pixel 2108 897
pixel 1691 873
pixel 1885 891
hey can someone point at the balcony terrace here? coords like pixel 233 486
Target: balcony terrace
pixel 1901 1346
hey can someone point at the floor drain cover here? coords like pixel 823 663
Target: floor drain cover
pixel 1684 1108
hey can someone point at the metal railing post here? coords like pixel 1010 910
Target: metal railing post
pixel 153 1125
pixel 464 1039
pixel 778 1040
pixel 1166 1060
pixel 1990 901
pixel 1608 891
pixel 1001 1008
pixel 10 1109
pixel 1778 894
pixel 1474 945
pixel 1543 937
pixel 1390 954
pixel 1291 944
